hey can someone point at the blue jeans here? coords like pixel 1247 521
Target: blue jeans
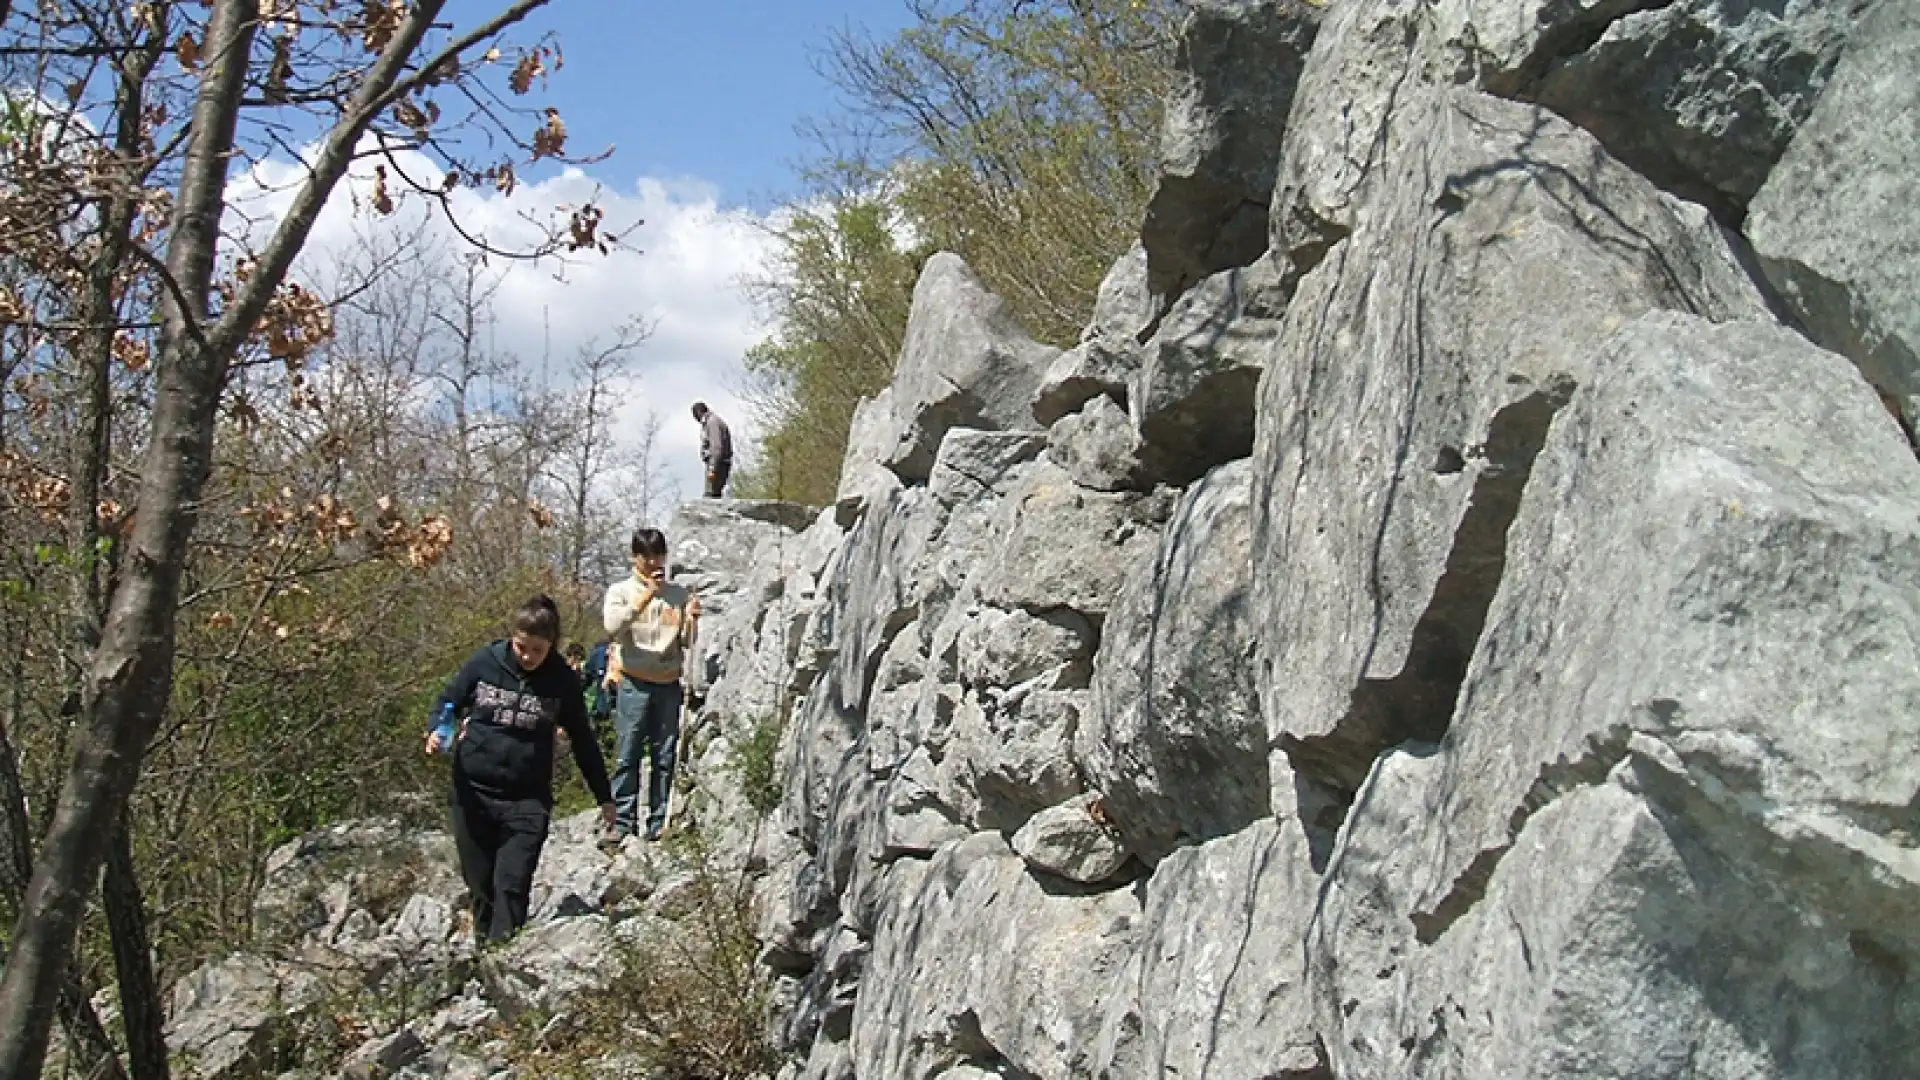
pixel 646 723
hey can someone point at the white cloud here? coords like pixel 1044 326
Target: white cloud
pixel 684 277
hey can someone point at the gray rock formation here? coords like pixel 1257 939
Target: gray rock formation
pixel 939 993
pixel 1099 447
pixel 1193 399
pixel 1238 64
pixel 1072 841
pixel 1676 746
pixel 1173 736
pixel 1511 246
pixel 965 364
pixel 1835 225
pixel 1701 96
pixel 1502 627
pixel 869 439
pixel 1109 351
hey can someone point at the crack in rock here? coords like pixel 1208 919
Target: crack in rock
pixel 1416 705
pixel 1603 752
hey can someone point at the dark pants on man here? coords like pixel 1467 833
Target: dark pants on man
pixel 499 842
pixel 717 473
pixel 646 724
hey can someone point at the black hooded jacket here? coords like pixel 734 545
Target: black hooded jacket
pixel 505 744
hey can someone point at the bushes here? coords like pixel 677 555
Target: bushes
pixel 755 762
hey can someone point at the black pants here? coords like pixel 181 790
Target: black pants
pixel 646 721
pixel 499 841
pixel 717 473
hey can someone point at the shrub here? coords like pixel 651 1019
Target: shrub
pixel 756 759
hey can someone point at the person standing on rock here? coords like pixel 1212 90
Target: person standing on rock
pixel 653 623
pixel 511 697
pixel 716 448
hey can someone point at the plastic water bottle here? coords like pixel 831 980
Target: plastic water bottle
pixel 444 729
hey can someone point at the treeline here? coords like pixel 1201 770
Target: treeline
pixel 1019 133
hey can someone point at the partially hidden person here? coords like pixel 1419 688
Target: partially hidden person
pixel 510 697
pixel 599 694
pixel 716 448
pixel 653 624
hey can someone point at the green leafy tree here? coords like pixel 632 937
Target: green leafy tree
pixel 1020 134
pixel 842 289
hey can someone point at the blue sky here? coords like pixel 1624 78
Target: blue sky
pixel 711 90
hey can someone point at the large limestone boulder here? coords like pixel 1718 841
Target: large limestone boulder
pixel 1835 226
pixel 1701 96
pixel 240 1016
pixel 1337 136
pixel 314 884
pixel 1238 64
pixel 1666 781
pixel 869 439
pixel 1218 987
pixel 1423 362
pixel 977 963
pixel 738 556
pixel 715 541
pixel 965 363
pixel 877 590
pixel 1073 841
pixel 1060 545
pixel 1193 400
pixel 1174 736
pixel 576 877
pixel 1009 755
pixel 1099 447
pixel 546 964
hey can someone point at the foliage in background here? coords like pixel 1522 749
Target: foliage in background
pixel 1020 134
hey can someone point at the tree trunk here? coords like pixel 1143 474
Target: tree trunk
pixel 141 1014
pixel 130 679
pixel 87 1039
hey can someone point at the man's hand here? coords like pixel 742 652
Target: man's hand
pixel 433 741
pixel 693 605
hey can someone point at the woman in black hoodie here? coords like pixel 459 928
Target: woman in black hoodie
pixel 510 696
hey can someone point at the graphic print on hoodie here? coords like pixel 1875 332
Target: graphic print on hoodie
pixel 505 743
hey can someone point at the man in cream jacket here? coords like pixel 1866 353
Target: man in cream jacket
pixel 652 623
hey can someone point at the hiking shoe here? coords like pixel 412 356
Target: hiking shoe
pixel 654 831
pixel 611 836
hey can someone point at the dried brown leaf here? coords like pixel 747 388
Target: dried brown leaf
pixel 551 139
pixel 382 199
pixel 532 65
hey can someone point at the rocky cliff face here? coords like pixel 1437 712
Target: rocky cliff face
pixel 1470 630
